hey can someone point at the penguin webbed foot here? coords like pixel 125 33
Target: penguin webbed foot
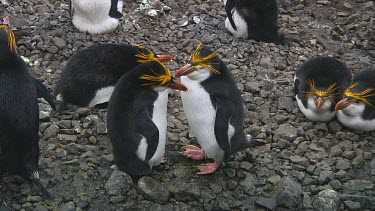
pixel 45 194
pixel 115 14
pixel 193 152
pixel 164 160
pixel 208 168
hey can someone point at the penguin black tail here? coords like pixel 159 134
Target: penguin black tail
pixel 36 181
pixel 43 92
pixel 250 142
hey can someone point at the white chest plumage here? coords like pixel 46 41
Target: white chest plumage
pixel 356 122
pixel 241 25
pixel 102 96
pixel 92 16
pixel 201 116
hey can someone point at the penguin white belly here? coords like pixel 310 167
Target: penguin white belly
pixel 241 25
pixel 356 122
pixel 201 117
pixel 4 2
pixel 102 96
pixel 159 118
pixel 92 16
pixel 324 116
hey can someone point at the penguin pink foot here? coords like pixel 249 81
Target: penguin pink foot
pixel 193 152
pixel 208 168
pixel 164 160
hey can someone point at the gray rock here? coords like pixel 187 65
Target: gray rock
pixel 286 132
pixel 299 160
pixel 118 183
pixel 355 186
pixel 325 177
pixel 288 193
pixel 153 190
pixel 59 42
pixel 306 202
pixel 286 103
pixel 268 203
pixel 352 205
pixel 70 206
pixel 252 87
pixel 326 200
pixel 101 128
pixel 342 164
pixel 184 191
pixel 367 202
pixel 334 126
pixel 51 131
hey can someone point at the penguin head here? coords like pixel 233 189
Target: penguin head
pixel 320 99
pixel 203 63
pixel 145 55
pixel 358 96
pixel 157 76
pixel 6 36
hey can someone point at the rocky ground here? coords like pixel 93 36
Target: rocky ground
pixel 303 166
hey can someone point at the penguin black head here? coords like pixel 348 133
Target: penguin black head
pixel 359 95
pixel 7 36
pixel 157 76
pixel 145 55
pixel 203 61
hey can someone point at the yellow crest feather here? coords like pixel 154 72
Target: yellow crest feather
pixel 362 96
pixel 144 57
pixel 11 38
pixel 156 79
pixel 327 93
pixel 196 59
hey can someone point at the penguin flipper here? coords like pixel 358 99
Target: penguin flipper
pixel 296 86
pixel 43 92
pixel 149 130
pixel 228 9
pixel 71 9
pixel 224 112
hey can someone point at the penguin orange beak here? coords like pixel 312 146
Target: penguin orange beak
pixel 164 58
pixel 343 104
pixel 319 102
pixel 185 70
pixel 178 86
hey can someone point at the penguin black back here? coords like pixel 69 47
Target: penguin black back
pixel 98 67
pixel 19 114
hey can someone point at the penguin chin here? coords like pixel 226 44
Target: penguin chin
pixel 324 108
pixel 200 75
pixel 354 109
pixel 159 88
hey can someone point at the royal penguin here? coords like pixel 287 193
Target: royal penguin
pixel 356 109
pixel 318 85
pixel 214 110
pixel 137 117
pixel 19 114
pixel 252 19
pixel 91 74
pixel 95 16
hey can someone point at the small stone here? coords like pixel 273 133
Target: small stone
pixel 268 203
pixel 335 151
pixel 342 164
pixel 153 190
pixel 326 200
pixel 286 103
pixel 59 42
pixel 334 126
pixel 101 128
pixel 83 111
pixel 185 191
pixel 51 131
pixel 288 193
pixel 118 183
pixel 299 160
pixel 352 205
pixel 70 206
pixel 246 165
pixel 325 177
pixel 307 203
pixel 349 154
pixel 358 185
pixel 286 132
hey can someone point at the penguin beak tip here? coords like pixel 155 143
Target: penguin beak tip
pixel 342 104
pixel 185 70
pixel 164 58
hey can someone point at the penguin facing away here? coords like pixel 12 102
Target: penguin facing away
pixel 19 114
pixel 356 109
pixel 91 74
pixel 214 110
pixel 318 85
pixel 95 16
pixel 137 117
pixel 252 19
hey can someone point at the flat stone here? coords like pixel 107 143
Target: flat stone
pixel 352 205
pixel 153 190
pixel 299 160
pixel 268 203
pixel 357 185
pixel 51 131
pixel 185 191
pixel 288 193
pixel 335 151
pixel 70 206
pixel 286 103
pixel 286 132
pixel 118 183
pixel 342 164
pixel 334 126
pixel 367 202
pixel 325 177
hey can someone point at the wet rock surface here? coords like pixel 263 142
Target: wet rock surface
pixel 301 160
